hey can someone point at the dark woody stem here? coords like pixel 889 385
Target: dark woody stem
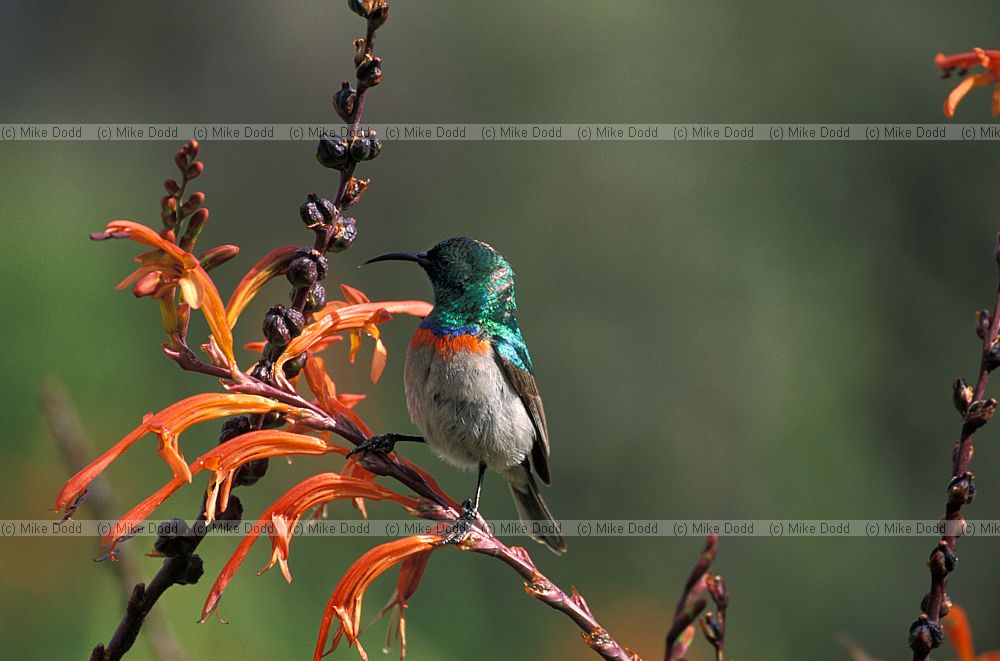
pixel 926 632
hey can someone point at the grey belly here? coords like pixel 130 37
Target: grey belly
pixel 466 409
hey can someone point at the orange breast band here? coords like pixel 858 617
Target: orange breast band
pixel 446 345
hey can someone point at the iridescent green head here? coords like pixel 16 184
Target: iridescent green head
pixel 473 283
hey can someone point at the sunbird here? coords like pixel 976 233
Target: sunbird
pixel 469 383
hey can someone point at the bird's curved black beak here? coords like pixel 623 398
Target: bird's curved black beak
pixel 418 257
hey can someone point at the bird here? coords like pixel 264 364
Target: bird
pixel 469 382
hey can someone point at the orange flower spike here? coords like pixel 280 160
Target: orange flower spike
pixel 345 603
pixel 168 424
pixel 272 265
pixel 314 491
pixel 988 59
pixel 184 271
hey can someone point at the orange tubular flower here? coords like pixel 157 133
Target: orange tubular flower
pixel 988 59
pixel 273 264
pixel 345 603
pixel 168 424
pixel 223 460
pixel 282 517
pixel 357 315
pixel 174 268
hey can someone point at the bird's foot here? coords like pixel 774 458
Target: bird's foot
pixel 384 443
pixel 457 531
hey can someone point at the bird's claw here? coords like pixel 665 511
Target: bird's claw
pixel 457 531
pixel 383 443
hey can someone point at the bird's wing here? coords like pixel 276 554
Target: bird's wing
pixel 524 385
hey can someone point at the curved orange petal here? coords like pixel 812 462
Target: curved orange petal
pixel 334 318
pixel 215 313
pixel 345 602
pixel 962 89
pixel 316 490
pixel 273 264
pixel 168 424
pixel 223 460
pixel 127 229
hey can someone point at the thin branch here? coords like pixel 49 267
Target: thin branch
pixel 926 632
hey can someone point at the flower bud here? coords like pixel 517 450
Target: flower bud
pixel 194 226
pixel 369 72
pixel 317 210
pixel 344 232
pixel 332 152
pixel 193 202
pixel 171 187
pixel 191 148
pixel 146 285
pixel 217 256
pixel 194 170
pixel 168 210
pixel 345 100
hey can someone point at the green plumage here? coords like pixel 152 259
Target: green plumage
pixel 474 294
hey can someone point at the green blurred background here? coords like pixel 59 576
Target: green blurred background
pixel 721 330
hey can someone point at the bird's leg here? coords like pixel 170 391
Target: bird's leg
pixel 384 443
pixel 470 510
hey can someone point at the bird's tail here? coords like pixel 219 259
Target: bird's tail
pixel 533 511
